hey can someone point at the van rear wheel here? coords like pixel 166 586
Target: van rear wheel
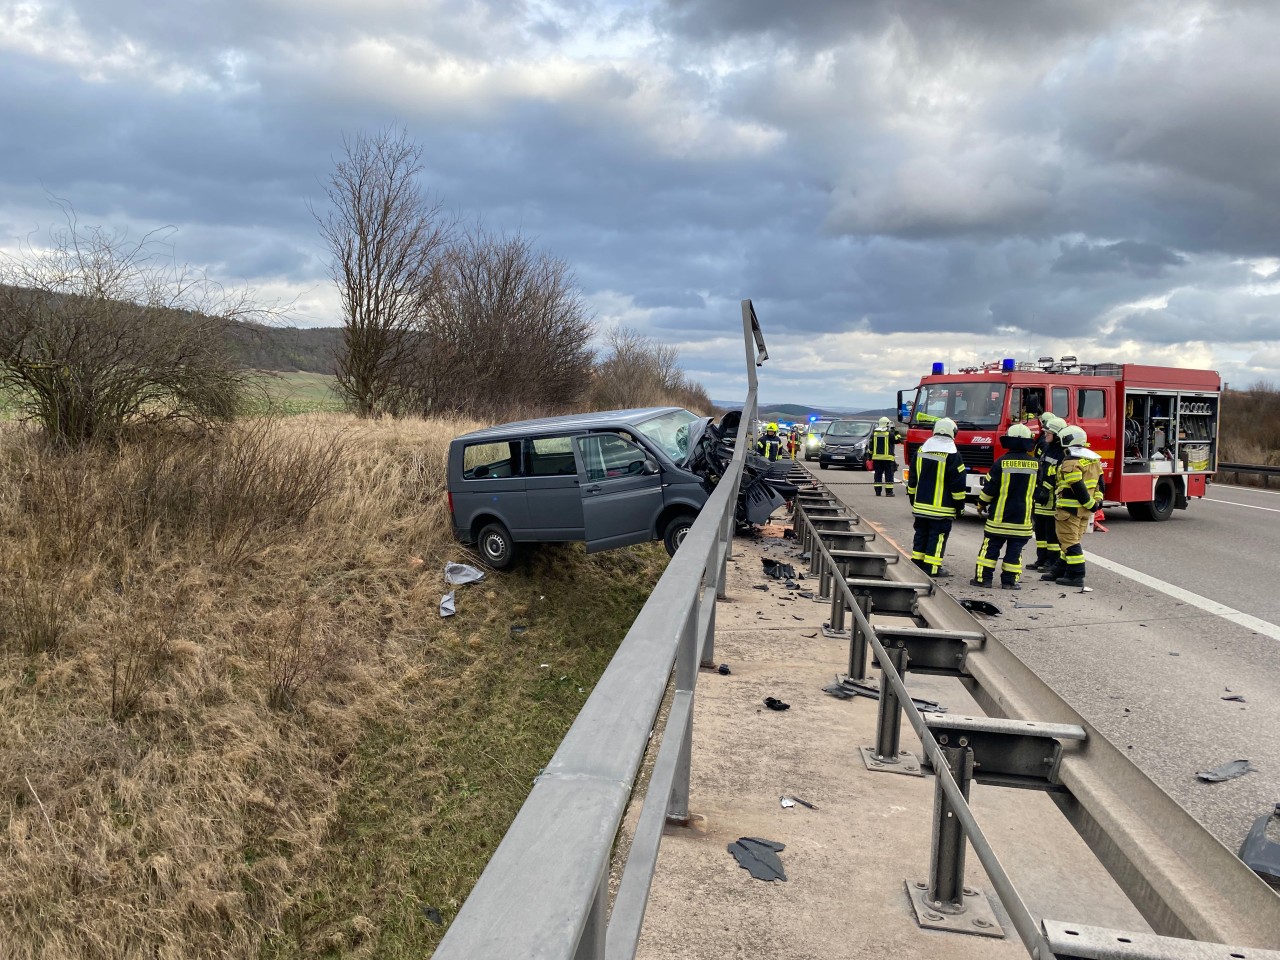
pixel 497 549
pixel 675 533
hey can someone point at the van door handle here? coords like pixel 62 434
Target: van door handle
pixel 594 488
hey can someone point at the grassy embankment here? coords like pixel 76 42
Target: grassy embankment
pixel 232 722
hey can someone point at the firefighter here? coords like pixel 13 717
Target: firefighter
pixel 884 440
pixel 1006 502
pixel 936 490
pixel 793 440
pixel 1048 450
pixel 1077 497
pixel 770 446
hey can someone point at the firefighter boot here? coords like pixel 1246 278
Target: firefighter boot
pixel 1059 569
pixel 1073 579
pixel 889 492
pixel 978 582
pixel 1041 562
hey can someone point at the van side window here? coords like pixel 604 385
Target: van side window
pixel 608 456
pixel 491 461
pixel 1091 404
pixel 1058 404
pixel 551 457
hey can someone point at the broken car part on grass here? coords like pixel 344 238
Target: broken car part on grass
pixel 759 857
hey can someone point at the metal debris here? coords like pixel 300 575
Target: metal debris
pixel 1259 853
pixel 1228 771
pixel 846 689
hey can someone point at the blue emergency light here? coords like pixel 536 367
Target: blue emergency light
pixel 939 368
pixel 813 418
pixel 1007 365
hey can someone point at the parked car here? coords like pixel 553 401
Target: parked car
pixel 607 479
pixel 813 440
pixel 845 444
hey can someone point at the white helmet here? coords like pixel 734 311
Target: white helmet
pixel 1054 424
pixel 946 427
pixel 1020 431
pixel 884 423
pixel 1073 436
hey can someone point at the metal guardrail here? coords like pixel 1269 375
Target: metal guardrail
pixel 1261 469
pixel 545 892
pixel 1180 877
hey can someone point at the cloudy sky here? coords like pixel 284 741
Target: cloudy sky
pixel 892 182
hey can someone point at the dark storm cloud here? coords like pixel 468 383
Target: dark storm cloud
pixel 1131 256
pixel 823 22
pixel 919 170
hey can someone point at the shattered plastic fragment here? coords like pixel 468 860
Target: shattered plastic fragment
pixel 447 608
pixel 777 569
pixel 759 857
pixel 724 670
pixel 460 573
pixel 1235 698
pixel 773 703
pixel 1228 771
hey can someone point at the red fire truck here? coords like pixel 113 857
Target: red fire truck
pixel 1156 428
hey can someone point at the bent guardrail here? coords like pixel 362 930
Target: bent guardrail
pixel 1186 883
pixel 544 894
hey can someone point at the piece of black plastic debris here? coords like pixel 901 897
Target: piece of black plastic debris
pixel 777 569
pixel 789 533
pixel 759 857
pixel 804 803
pixel 761 586
pixel 1235 698
pixel 807 594
pixel 810 635
pixel 796 617
pixel 981 606
pixel 791 585
pixel 1260 853
pixel 806 555
pixel 432 914
pixel 773 703
pixel 1174 653
pixel 724 670
pixel 1228 771
pixel 518 628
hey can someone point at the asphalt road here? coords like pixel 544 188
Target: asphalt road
pixel 1184 613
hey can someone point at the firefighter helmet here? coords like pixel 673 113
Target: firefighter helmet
pixel 773 428
pixel 945 427
pixel 1074 436
pixel 883 424
pixel 1052 422
pixel 1020 431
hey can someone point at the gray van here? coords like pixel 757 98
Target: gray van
pixel 607 479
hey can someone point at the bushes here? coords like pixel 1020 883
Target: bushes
pixel 1251 425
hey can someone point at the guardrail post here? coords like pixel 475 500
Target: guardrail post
pixel 824 577
pixel 726 540
pixel 946 858
pixel 885 757
pixel 686 678
pixel 707 620
pixel 591 946
pixel 858 642
pixel 837 611
pixel 889 720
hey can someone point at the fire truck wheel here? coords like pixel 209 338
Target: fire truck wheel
pixel 1158 508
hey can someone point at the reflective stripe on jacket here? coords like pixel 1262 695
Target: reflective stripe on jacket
pixel 937 487
pixel 882 444
pixel 1077 486
pixel 1010 486
pixel 1051 455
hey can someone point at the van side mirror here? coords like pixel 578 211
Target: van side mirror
pixel 651 467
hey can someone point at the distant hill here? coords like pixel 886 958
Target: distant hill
pixel 796 412
pixel 287 349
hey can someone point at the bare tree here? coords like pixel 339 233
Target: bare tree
pixel 100 333
pixel 509 330
pixel 638 371
pixel 384 237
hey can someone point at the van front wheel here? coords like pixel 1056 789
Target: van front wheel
pixel 497 549
pixel 675 532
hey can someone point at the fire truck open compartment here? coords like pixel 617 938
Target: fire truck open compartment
pixel 1170 432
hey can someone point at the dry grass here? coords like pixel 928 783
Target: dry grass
pixel 232 723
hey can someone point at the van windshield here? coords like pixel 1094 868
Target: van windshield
pixel 973 406
pixel 670 433
pixel 849 428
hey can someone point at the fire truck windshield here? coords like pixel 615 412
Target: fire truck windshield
pixel 973 406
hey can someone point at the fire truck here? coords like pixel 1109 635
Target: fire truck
pixel 1156 428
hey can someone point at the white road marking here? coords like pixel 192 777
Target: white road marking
pixel 1231 486
pixel 1249 505
pixel 1186 596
